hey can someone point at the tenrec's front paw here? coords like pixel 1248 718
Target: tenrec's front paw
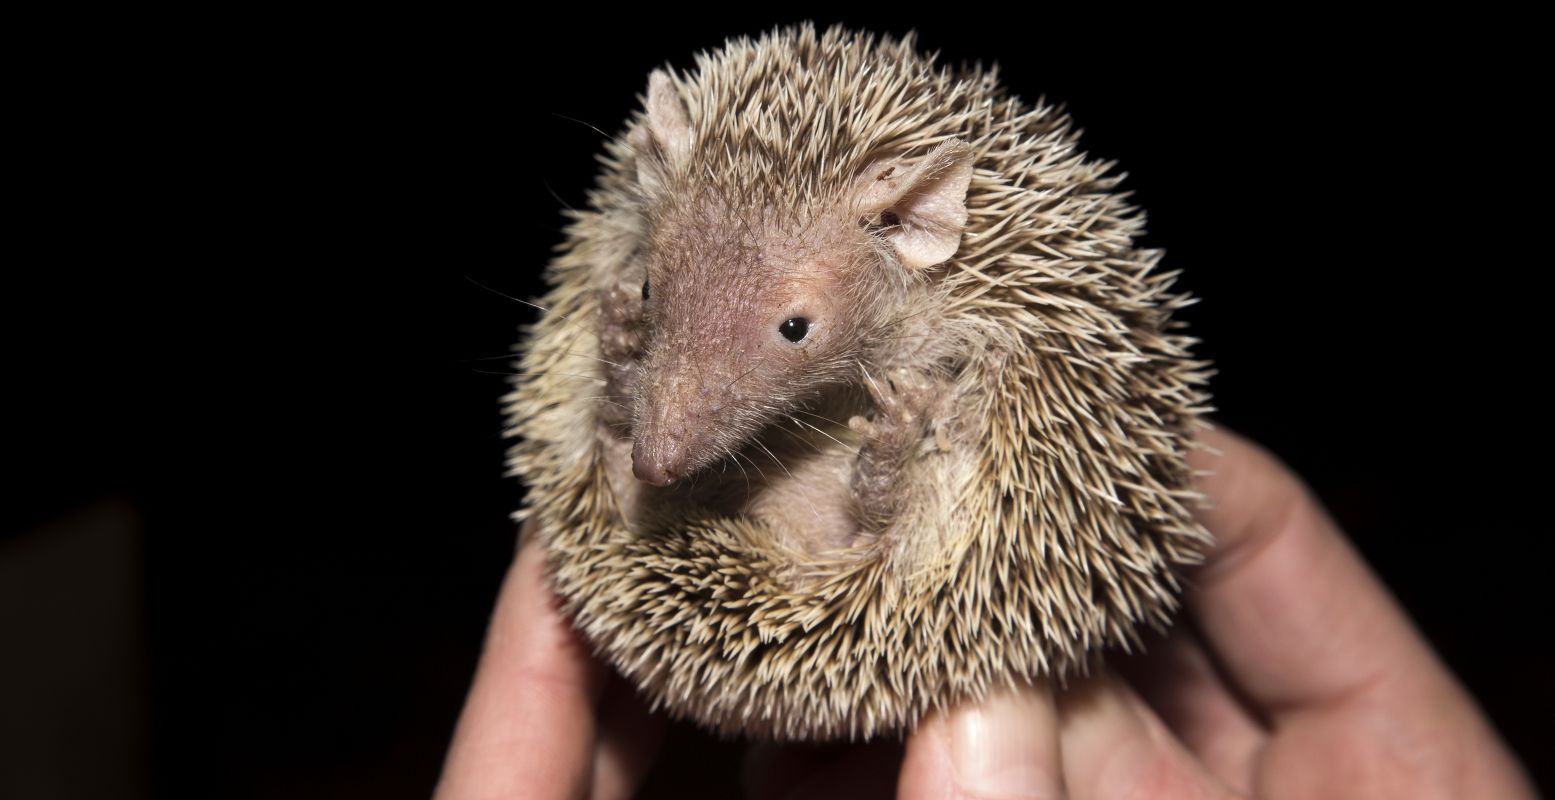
pixel 864 428
pixel 620 335
pixel 903 399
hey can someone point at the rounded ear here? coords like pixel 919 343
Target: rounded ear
pixel 921 204
pixel 663 141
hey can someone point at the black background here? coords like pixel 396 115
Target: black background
pixel 244 302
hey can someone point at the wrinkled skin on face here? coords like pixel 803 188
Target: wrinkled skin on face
pixel 756 300
pixel 746 319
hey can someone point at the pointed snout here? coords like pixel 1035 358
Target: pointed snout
pixel 684 419
pixel 668 407
pixel 658 459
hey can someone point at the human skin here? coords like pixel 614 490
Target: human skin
pixel 1293 674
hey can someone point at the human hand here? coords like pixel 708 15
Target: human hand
pixel 544 719
pixel 1295 674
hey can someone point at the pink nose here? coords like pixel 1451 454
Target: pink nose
pixel 657 464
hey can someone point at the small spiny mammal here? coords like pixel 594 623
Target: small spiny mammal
pixel 853 396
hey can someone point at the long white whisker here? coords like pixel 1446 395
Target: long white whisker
pixel 821 418
pixel 596 358
pixel 796 435
pixel 592 128
pixel 541 374
pixel 754 466
pixel 602 398
pixel 728 455
pixel 869 377
pixel 824 433
pixel 509 357
pixel 803 495
pixel 537 306
pixel 558 198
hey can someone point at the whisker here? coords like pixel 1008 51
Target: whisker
pixel 754 466
pixel 772 456
pixel 824 433
pixel 508 296
pixel 537 306
pixel 821 418
pixel 602 398
pixel 595 358
pixel 869 377
pixel 803 495
pixel 540 374
pixel 742 376
pixel 804 440
pixel 557 197
pixel 592 128
pixel 728 456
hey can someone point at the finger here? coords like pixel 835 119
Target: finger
pixel 1287 605
pixel 527 729
pixel 628 739
pixel 1181 685
pixel 1114 747
pixel 1311 636
pixel 1003 747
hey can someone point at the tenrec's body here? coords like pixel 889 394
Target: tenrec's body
pixel 854 395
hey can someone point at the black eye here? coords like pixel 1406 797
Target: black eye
pixel 794 329
pixel 645 290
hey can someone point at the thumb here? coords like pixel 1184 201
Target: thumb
pixel 1001 748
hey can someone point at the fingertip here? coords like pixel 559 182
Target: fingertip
pixel 1249 495
pixel 1292 612
pixel 530 619
pixel 528 722
pixel 926 772
pixel 1215 450
pixel 1113 745
pixel 1179 682
pixel 1005 746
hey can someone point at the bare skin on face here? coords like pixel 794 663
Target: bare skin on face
pixel 738 334
pixel 740 313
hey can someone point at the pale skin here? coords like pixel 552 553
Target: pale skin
pixel 1293 674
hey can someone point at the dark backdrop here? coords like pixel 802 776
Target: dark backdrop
pixel 246 338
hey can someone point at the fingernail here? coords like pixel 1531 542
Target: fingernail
pixel 1006 746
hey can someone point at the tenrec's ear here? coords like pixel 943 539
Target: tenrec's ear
pixel 664 139
pixel 921 205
